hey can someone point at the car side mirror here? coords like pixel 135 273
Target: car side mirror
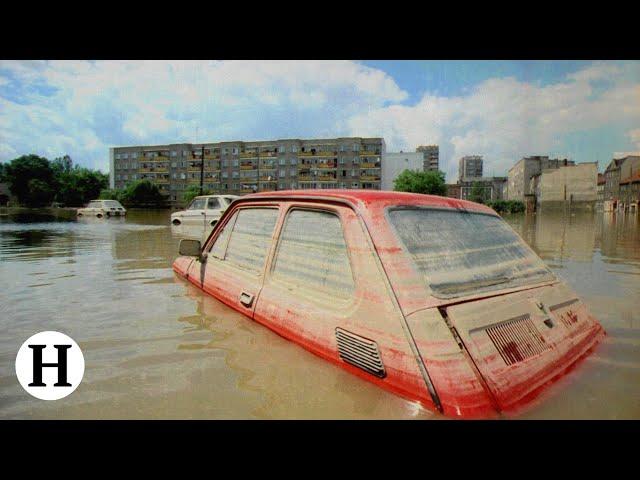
pixel 190 248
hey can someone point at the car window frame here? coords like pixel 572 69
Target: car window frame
pixel 270 277
pixel 217 207
pixel 233 217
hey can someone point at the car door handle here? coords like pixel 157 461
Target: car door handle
pixel 246 299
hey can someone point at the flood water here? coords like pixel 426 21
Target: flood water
pixel 156 347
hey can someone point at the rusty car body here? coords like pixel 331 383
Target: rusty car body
pixel 433 298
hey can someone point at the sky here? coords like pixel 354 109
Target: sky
pixel 503 110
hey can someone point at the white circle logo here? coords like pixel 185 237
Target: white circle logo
pixel 50 365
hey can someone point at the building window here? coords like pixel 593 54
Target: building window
pixel 235 151
pixel 342 148
pixel 236 163
pixel 293 172
pixel 356 160
pixel 225 163
pixel 235 174
pixel 282 161
pixel 294 149
pixel 174 153
pixel 174 164
pixel 294 161
pixel 341 161
pixel 134 155
pixel 117 156
pixel 356 147
pixel 283 173
pixel 225 174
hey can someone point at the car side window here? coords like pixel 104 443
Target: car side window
pixel 219 247
pixel 312 254
pixel 213 203
pixel 251 238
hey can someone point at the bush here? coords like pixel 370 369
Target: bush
pixel 507 206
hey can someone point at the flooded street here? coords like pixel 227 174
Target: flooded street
pixel 157 347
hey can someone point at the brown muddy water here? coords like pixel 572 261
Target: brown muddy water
pixel 156 347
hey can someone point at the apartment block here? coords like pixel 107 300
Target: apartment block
pixel 245 167
pixel 430 156
pixel 469 167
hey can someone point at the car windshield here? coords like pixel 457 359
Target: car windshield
pixel 459 253
pixel 197 204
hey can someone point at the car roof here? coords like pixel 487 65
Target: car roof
pixel 367 199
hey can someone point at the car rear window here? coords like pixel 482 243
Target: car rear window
pixel 460 253
pixel 251 238
pixel 312 253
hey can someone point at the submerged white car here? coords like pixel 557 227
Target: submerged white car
pixel 102 208
pixel 203 210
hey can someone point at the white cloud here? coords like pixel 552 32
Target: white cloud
pixel 505 119
pixel 82 108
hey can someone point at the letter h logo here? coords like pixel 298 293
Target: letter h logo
pixel 61 366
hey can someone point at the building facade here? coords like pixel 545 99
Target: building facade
pixel 469 167
pixel 520 175
pixel 575 184
pixel 394 163
pixel 618 170
pixel 431 157
pixel 246 167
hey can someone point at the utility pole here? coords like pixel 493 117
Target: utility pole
pixel 202 170
pixel 258 183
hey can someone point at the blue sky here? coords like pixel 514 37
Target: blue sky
pixel 503 110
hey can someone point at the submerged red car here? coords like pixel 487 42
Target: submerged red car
pixel 433 298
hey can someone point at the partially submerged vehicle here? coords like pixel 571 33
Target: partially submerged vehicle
pixel 203 210
pixel 102 208
pixel 433 298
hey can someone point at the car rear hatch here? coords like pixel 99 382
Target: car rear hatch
pixel 520 324
pixel 520 341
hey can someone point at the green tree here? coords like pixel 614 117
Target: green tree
pixel 78 186
pixel 192 192
pixel 31 179
pixel 477 193
pixel 415 181
pixel 140 193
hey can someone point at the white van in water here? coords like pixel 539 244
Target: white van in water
pixel 203 210
pixel 102 208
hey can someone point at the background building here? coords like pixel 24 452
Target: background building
pixel 469 167
pixel 575 184
pixel 393 164
pixel 520 175
pixel 618 170
pixel 431 157
pixel 244 167
pixel 492 188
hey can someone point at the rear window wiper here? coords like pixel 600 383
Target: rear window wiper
pixel 474 284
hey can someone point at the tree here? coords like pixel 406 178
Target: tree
pixel 477 193
pixel 415 181
pixel 78 186
pixel 31 180
pixel 192 192
pixel 140 193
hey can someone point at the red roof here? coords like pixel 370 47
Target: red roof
pixel 376 198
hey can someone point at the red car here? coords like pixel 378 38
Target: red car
pixel 433 298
